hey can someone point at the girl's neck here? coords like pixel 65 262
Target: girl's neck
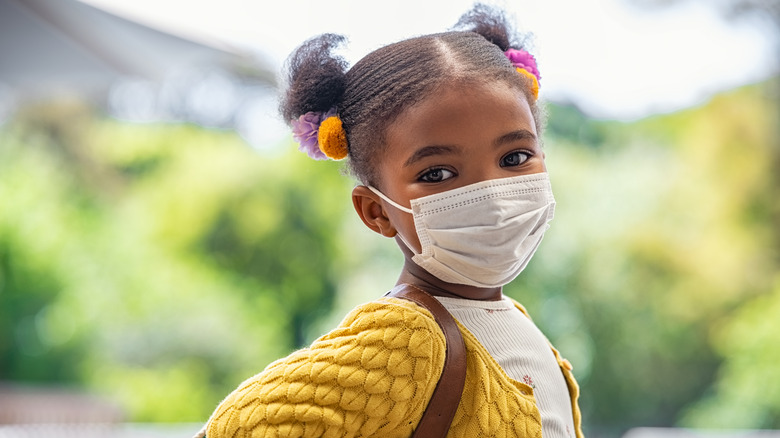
pixel 420 278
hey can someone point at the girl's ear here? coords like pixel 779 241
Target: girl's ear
pixel 369 207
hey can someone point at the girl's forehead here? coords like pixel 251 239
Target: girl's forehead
pixel 460 106
pixel 473 117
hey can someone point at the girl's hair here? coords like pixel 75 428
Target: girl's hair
pixel 371 95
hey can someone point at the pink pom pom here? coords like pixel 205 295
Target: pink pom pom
pixel 522 59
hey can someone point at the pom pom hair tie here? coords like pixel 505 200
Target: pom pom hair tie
pixel 321 135
pixel 333 139
pixel 525 64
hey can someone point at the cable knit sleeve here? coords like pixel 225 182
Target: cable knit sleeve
pixel 371 376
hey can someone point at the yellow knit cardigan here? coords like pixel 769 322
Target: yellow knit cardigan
pixel 372 377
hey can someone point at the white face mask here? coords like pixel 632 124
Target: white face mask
pixel 482 234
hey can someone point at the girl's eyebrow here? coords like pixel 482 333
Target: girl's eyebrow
pixel 520 134
pixel 427 151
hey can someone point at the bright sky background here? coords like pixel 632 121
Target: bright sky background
pixel 613 59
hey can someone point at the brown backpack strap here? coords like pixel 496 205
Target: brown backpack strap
pixel 446 396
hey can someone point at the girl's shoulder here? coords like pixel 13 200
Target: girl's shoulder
pixel 520 307
pixel 387 324
pixel 388 312
pixel 377 368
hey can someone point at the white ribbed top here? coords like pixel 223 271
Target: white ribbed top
pixel 523 353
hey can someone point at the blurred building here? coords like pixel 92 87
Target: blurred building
pixel 64 49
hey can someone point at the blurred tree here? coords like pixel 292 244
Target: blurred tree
pixel 567 122
pixel 661 232
pixel 745 394
pixel 161 264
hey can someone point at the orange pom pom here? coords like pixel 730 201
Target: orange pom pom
pixel 333 139
pixel 532 78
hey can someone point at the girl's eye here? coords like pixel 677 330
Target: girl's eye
pixel 515 158
pixel 436 175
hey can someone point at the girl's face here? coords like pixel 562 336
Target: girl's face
pixel 459 136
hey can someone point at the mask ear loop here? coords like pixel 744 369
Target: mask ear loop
pixel 390 201
pixel 400 207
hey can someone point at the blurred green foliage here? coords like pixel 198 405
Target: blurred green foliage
pixel 667 229
pixel 163 264
pixel 159 264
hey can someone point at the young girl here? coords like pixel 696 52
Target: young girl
pixel 443 133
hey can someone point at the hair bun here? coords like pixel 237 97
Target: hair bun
pixel 316 78
pixel 491 23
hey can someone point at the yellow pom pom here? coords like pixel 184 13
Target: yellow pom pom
pixel 332 138
pixel 534 81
